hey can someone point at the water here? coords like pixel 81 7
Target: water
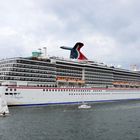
pixel 106 121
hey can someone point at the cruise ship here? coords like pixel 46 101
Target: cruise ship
pixel 42 80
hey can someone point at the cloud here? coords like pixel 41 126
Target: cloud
pixel 7 31
pixel 109 29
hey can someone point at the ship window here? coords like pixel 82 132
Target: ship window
pixel 6 89
pixel 15 93
pixel 10 89
pixel 6 93
pixel 11 93
pixel 14 89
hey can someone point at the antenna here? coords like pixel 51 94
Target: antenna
pixel 39 51
pixel 45 51
pixel 133 67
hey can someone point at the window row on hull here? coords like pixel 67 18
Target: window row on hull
pixel 94 69
pixel 33 62
pixel 126 79
pixel 98 82
pixel 33 71
pixel 34 67
pixel 28 79
pixel 69 71
pixel 123 73
pixel 69 74
pixel 27 74
pixel 98 76
pixel 99 79
pixel 27 70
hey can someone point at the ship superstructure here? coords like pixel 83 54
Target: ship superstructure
pixel 55 80
pixel 56 72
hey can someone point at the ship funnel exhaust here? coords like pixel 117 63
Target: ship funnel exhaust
pixel 75 51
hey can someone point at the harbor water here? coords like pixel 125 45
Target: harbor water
pixel 103 121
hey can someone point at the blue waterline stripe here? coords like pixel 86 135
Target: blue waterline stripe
pixel 69 103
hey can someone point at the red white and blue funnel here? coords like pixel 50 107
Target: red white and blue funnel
pixel 75 51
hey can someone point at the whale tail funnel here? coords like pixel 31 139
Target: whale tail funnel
pixel 75 51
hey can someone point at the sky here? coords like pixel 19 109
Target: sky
pixel 109 29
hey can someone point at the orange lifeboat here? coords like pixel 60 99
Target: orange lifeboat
pixel 70 79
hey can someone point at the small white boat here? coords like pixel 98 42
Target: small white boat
pixel 4 114
pixel 84 106
pixel 4 111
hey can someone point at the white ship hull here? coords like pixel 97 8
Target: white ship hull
pixel 46 96
pixel 38 80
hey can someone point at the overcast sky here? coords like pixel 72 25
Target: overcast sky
pixel 109 29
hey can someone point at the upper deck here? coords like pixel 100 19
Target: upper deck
pixel 55 71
